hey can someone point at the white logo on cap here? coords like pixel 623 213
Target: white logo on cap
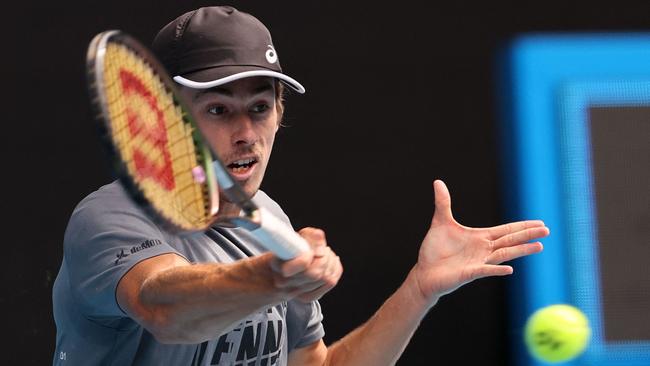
pixel 271 55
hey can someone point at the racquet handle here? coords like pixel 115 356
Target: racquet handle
pixel 278 237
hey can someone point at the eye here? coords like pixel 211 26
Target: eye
pixel 260 108
pixel 217 110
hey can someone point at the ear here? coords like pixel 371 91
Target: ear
pixel 278 115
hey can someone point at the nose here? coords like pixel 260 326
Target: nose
pixel 244 131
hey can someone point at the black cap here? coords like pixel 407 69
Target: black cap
pixel 211 46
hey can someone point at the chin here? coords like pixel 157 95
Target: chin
pixel 250 187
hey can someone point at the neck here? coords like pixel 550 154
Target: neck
pixel 228 209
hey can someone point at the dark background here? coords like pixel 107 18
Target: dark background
pixel 398 95
pixel 623 198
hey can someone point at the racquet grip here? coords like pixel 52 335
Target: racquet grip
pixel 278 237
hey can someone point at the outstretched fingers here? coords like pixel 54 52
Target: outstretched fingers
pixel 514 252
pixel 505 229
pixel 520 237
pixel 489 270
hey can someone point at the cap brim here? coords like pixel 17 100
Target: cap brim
pixel 291 82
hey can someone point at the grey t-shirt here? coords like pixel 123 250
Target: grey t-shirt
pixel 106 236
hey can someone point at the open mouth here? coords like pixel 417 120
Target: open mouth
pixel 242 166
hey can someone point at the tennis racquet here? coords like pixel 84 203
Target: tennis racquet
pixel 157 150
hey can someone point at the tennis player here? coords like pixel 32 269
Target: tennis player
pixel 131 293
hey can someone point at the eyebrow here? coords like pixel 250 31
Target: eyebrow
pixel 227 92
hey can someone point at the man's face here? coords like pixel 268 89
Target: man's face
pixel 239 120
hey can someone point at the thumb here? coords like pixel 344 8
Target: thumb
pixel 442 202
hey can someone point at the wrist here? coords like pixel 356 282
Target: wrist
pixel 417 292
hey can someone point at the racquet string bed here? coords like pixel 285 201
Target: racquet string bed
pixel 158 147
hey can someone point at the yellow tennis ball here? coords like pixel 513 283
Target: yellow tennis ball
pixel 557 333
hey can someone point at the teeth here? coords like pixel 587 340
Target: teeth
pixel 244 161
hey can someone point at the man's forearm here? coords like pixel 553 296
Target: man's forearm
pixel 190 304
pixel 383 338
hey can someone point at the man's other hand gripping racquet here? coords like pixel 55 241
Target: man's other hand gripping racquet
pixel 158 151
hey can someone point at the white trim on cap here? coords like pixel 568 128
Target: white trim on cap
pixel 295 85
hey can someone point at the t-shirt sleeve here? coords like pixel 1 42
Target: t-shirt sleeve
pixel 106 236
pixel 304 323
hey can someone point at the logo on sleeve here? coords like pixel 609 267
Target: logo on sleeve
pixel 136 248
pixel 119 256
